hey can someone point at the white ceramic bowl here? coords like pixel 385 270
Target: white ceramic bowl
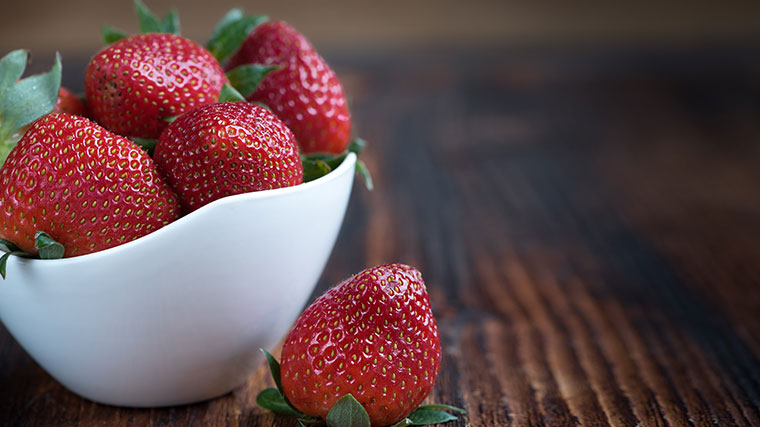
pixel 178 316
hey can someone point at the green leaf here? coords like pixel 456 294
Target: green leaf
pixel 403 423
pixel 6 256
pixel 47 246
pixel 272 399
pixel 246 78
pixel 148 145
pixel 170 119
pixel 112 35
pixel 363 172
pixel 423 417
pixel 440 406
pixel 230 94
pixel 311 163
pixel 8 246
pixel 313 169
pixel 274 369
pixel 28 99
pixel 264 106
pixel 332 160
pixel 148 22
pixel 170 23
pixel 357 145
pixel 347 412
pixel 230 17
pixel 12 67
pixel 231 35
pixel 3 263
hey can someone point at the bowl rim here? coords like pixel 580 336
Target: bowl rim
pixel 348 162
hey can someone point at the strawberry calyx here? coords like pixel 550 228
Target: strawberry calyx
pixel 10 249
pixel 148 23
pixel 147 144
pixel 246 78
pixel 316 165
pixel 347 411
pixel 226 39
pixel 230 94
pixel 274 398
pixel 23 101
pixel 47 247
pixel 112 35
pixel 230 33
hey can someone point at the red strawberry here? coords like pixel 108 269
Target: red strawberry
pixel 217 150
pixel 373 336
pixel 86 187
pixel 305 93
pixel 69 103
pixel 137 82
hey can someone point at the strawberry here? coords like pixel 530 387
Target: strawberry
pixel 137 82
pixel 304 92
pixel 373 336
pixel 69 103
pixel 227 148
pixel 82 185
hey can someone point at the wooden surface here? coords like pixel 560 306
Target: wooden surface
pixel 588 224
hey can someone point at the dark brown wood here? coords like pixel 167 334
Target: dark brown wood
pixel 588 224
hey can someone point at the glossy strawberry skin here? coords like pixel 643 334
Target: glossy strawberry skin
pixel 69 103
pixel 222 149
pixel 86 187
pixel 373 336
pixel 305 93
pixel 134 84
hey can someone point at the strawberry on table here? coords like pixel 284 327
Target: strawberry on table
pixel 370 341
pixel 304 91
pixel 133 85
pixel 227 148
pixel 83 186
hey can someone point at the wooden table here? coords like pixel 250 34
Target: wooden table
pixel 587 221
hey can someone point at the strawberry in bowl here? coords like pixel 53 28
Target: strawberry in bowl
pixel 88 188
pixel 152 280
pixel 137 82
pixel 302 89
pixel 147 309
pixel 221 149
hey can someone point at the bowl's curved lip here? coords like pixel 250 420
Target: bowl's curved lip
pixel 347 163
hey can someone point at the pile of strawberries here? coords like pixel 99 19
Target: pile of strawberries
pixel 168 126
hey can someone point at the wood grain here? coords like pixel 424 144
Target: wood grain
pixel 588 224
